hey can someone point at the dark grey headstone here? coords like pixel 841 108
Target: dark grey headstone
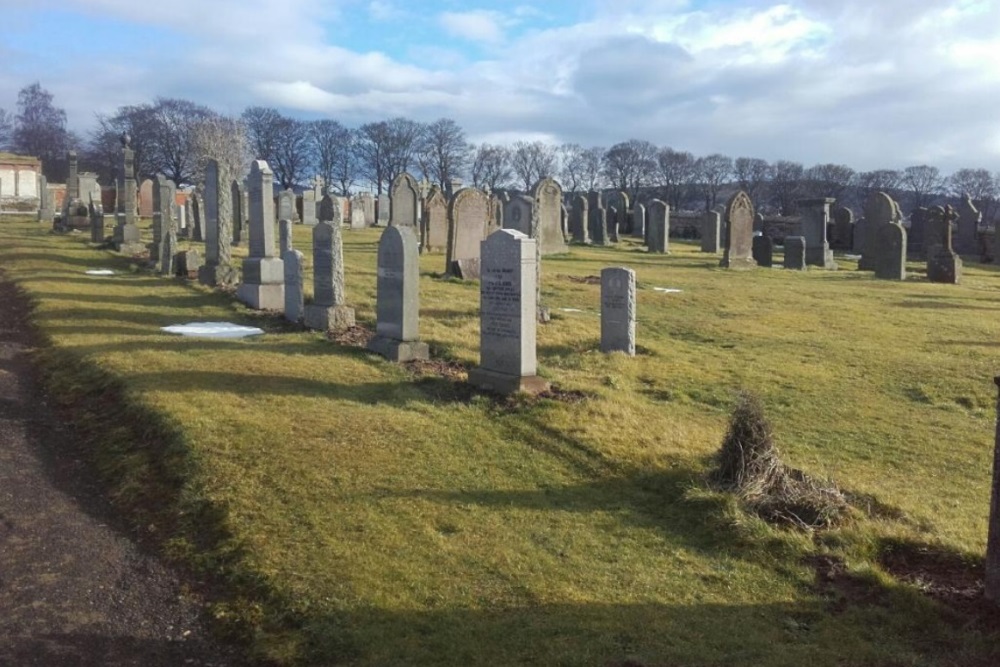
pixel 763 250
pixel 398 297
pixel 795 253
pixel 658 226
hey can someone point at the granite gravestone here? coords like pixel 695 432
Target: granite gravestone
pixel 309 207
pixel 597 219
pixel 517 214
pixel 218 269
pixel 239 213
pixel 815 221
pixel 263 284
pixel 943 264
pixel 658 226
pixel 638 221
pixel 618 306
pixel 738 253
pixel 96 222
pixel 611 217
pixel 434 229
pixel 711 232
pixel 397 336
pixel 329 310
pixel 162 218
pixel 284 236
pixel 547 214
pixel 969 218
pixel 763 250
pixel 404 201
pixel 127 237
pixel 508 315
pixel 382 208
pixel 294 266
pixel 579 220
pixel 197 227
pixel 795 253
pixel 880 210
pixel 843 225
pixel 890 254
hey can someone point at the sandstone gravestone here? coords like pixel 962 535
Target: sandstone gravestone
pixel 890 256
pixel 404 201
pixel 329 310
pixel 969 218
pixel 309 207
pixel 795 253
pixel 658 226
pixel 738 253
pixel 434 234
pixel 397 336
pixel 943 263
pixel 286 206
pixel 468 221
pixel 218 269
pixel 547 213
pixel 579 220
pixel 618 306
pixel 294 285
pixel 508 315
pixel 358 220
pixel 763 250
pixel 638 221
pixel 711 232
pixel 146 199
pixel 880 210
pixel 815 221
pixel 263 284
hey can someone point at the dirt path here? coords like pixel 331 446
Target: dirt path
pixel 74 589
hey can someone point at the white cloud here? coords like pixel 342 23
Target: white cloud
pixel 475 26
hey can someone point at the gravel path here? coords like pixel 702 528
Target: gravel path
pixel 74 588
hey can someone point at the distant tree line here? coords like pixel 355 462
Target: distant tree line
pixel 174 137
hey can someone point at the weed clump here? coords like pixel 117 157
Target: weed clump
pixel 749 465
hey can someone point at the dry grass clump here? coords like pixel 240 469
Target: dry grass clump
pixel 749 465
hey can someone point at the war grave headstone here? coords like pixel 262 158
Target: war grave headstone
pixel 309 208
pixel 329 310
pixel 618 308
pixel 548 195
pixel 404 196
pixel 397 331
pixel 468 221
pixel 795 253
pixel 597 219
pixel 638 221
pixel 969 218
pixel 263 285
pixel 658 226
pixel 711 232
pixel 880 210
pixel 517 214
pixel 579 220
pixel 434 228
pixel 815 222
pixel 218 269
pixel 294 285
pixel 738 252
pixel 763 250
pixel 944 265
pixel 843 226
pixel 508 315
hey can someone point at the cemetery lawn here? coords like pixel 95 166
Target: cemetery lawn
pixel 358 512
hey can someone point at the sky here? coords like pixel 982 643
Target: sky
pixel 868 83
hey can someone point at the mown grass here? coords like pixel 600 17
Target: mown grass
pixel 361 516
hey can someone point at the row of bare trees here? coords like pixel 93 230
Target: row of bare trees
pixel 175 136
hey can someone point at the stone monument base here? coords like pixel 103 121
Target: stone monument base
pixel 821 257
pixel 328 318
pixel 399 350
pixel 262 297
pixel 502 383
pixel 741 264
pixel 212 276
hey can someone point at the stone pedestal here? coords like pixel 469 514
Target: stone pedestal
pixel 263 285
pixel 328 318
pixel 399 350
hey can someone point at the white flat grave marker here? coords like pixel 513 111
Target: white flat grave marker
pixel 667 290
pixel 100 272
pixel 213 330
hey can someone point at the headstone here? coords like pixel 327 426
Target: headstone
pixel 168 251
pixel 434 237
pixel 197 224
pixel 368 205
pixel 127 237
pixel 96 222
pixel 329 310
pixel 146 199
pixel 880 210
pixel 73 181
pixel 294 285
pixel 188 264
pixel 969 218
pixel 738 253
pixel 711 232
pixel 498 201
pixel 46 210
pixel 758 224
pixel 658 227
pixel 517 214
pixel 944 265
pixel 815 221
pixel 843 225
pixel 397 308
pixel 404 201
pixel 916 235
pixel 597 219
pixel 263 284
pixel 239 212
pixel 468 221
pixel 309 208
pixel 611 215
pixel 508 315
pixel 286 205
pixel 763 250
pixel 639 221
pixel 358 220
pixel 284 236
pixel 162 218
pixel 329 210
pixel 579 220
pixel 859 238
pixel 618 306
pixel 622 209
pixel 795 253
pixel 890 256
pixel 992 565
pixel 218 218
pixel 383 210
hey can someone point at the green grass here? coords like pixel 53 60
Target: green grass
pixel 361 516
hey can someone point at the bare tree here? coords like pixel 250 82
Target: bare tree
pixel 442 151
pixel 879 180
pixel 829 180
pixel 786 185
pixel 346 166
pixel 753 175
pixel 175 120
pixel 292 154
pixel 40 129
pixel 923 182
pixel 386 149
pixel 224 139
pixel 677 172
pixel 491 168
pixel 334 152
pixel 533 161
pixel 714 171
pixel 263 126
pixel 6 129
pixel 404 141
pixel 631 165
pixel 104 148
pixel 981 187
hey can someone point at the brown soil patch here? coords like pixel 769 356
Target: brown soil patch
pixel 842 588
pixel 583 280
pixel 451 370
pixel 356 336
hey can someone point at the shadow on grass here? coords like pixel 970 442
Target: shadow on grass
pixel 943 305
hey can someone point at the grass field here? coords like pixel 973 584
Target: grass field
pixel 361 513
